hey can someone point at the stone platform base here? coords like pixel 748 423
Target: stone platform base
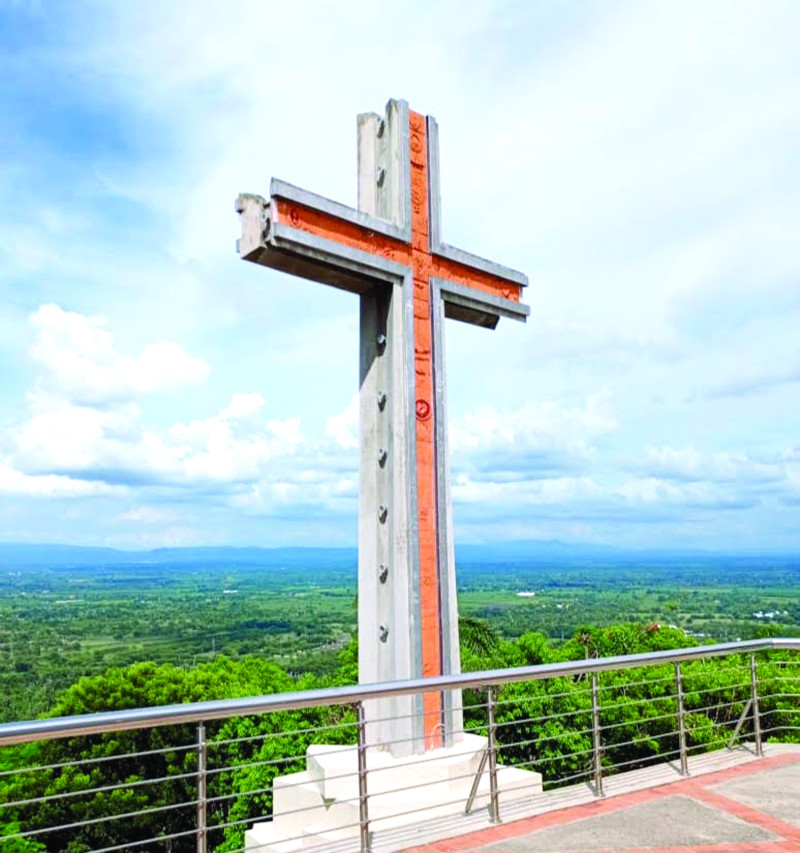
pixel 319 807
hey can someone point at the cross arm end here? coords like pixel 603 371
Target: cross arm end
pixel 254 213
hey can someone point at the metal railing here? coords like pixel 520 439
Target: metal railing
pixel 142 779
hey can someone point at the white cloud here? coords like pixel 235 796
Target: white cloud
pixel 301 496
pixel 652 491
pixel 343 428
pixel 235 445
pixel 86 422
pixel 17 483
pixel 548 429
pixel 81 363
pixel 587 342
pixel 510 498
pixel 146 515
pixel 113 444
pixel 755 380
pixel 689 463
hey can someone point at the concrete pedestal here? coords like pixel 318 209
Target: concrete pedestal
pixel 319 806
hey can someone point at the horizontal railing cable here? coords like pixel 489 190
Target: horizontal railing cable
pixel 268 735
pixel 97 820
pixel 547 696
pixel 99 759
pixel 158 839
pixel 104 789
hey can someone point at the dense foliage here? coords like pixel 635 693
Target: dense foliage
pixel 129 761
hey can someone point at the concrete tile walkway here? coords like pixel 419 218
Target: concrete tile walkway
pixel 750 808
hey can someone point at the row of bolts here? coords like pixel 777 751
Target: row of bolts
pixel 383 455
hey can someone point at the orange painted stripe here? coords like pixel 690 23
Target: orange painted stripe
pixel 480 280
pixel 425 420
pixel 341 231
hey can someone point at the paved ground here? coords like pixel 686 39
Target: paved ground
pixel 750 808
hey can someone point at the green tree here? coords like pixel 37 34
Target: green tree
pixel 147 774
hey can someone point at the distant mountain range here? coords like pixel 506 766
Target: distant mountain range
pixel 21 555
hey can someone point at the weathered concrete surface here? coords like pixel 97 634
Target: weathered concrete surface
pixel 752 806
pixel 677 821
pixel 775 792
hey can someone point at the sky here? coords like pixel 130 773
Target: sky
pixel 640 161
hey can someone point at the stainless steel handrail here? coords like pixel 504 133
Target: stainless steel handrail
pixel 196 712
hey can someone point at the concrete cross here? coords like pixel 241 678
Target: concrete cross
pixel 390 253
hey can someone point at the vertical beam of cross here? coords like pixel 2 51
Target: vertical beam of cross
pixel 390 253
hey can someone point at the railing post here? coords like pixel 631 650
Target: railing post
pixel 494 797
pixel 363 794
pixel 202 792
pixel 681 721
pixel 598 768
pixel 756 714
